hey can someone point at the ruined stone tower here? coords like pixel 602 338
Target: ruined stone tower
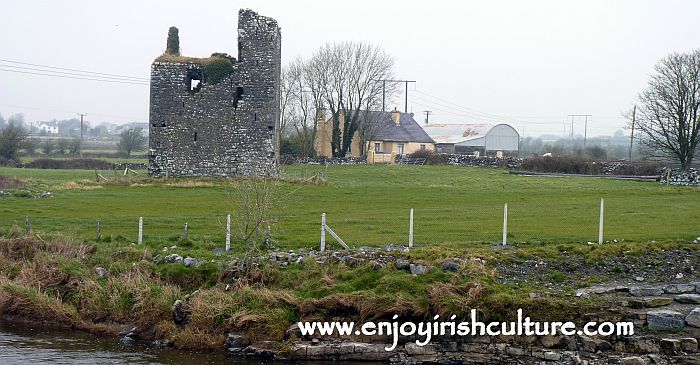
pixel 218 116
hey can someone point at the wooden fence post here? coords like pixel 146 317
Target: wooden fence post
pixel 185 232
pixel 27 226
pixel 228 232
pixel 600 225
pixel 505 224
pixel 410 230
pixel 98 234
pixel 323 232
pixel 140 230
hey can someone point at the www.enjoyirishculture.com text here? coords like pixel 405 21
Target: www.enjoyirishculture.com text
pixel 425 331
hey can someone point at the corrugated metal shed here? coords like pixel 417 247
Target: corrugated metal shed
pixel 490 137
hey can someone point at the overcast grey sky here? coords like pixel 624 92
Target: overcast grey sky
pixel 528 62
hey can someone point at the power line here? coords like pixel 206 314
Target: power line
pixel 474 113
pixel 68 112
pixel 70 73
pixel 384 81
pixel 459 106
pixel 76 70
pixel 463 113
pixel 75 77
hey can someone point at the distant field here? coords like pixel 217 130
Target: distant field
pixel 367 205
pixel 26 159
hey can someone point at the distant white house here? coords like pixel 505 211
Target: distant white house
pixel 486 139
pixel 48 127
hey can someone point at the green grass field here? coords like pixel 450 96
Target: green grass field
pixel 27 159
pixel 365 205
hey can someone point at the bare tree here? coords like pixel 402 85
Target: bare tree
pixel 344 78
pixel 252 201
pixel 131 140
pixel 299 107
pixel 74 145
pixel 62 145
pixel 668 114
pixel 12 138
pixel 48 146
pixel 370 126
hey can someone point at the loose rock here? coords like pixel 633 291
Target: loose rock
pixel 402 264
pixel 693 318
pixel 418 269
pixel 188 261
pixel 688 298
pixel 665 320
pixel 679 288
pixel 450 265
pixel 180 317
pixel 101 272
pixel 646 292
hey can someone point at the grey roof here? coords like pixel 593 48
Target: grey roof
pixel 408 129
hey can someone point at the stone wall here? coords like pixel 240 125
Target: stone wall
pixel 224 128
pixel 679 177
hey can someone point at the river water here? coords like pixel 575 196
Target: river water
pixel 33 345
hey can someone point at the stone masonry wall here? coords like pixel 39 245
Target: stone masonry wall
pixel 219 129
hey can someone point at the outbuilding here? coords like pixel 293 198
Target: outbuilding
pixel 475 138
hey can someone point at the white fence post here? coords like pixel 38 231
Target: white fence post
pixel 323 232
pixel 140 230
pixel 410 230
pixel 600 225
pixel 505 223
pixel 228 232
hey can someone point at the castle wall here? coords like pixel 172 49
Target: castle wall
pixel 227 128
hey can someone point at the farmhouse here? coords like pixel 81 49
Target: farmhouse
pixel 48 127
pixel 484 139
pixel 218 116
pixel 382 134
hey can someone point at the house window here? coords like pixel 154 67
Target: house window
pixel 377 147
pixel 422 147
pixel 400 148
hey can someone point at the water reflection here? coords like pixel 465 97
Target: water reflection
pixel 32 345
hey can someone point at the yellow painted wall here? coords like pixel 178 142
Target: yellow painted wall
pixel 324 134
pixel 408 147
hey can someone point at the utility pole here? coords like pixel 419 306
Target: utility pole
pixel 427 113
pixel 634 114
pixel 383 95
pixel 571 131
pixel 81 133
pixel 585 128
pixel 384 81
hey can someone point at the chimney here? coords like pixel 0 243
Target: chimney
pixel 396 116
pixel 321 114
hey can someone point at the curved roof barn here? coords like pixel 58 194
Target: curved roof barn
pixel 489 137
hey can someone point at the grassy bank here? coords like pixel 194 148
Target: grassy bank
pixel 53 280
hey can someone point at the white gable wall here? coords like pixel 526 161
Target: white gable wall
pixel 502 138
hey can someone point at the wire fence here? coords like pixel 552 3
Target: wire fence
pixel 574 220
